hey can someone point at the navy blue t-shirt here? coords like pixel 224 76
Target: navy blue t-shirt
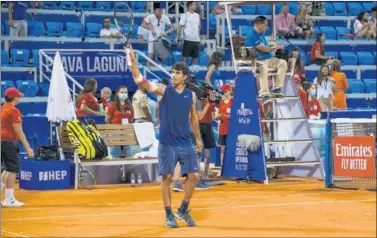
pixel 175 124
pixel 19 10
pixel 254 39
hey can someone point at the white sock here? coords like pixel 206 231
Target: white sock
pixel 9 194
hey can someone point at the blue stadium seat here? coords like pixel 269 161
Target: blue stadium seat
pixel 138 6
pixel 102 5
pixel 67 5
pixel 373 103
pixel 335 55
pixel 212 22
pixel 20 57
pixel 203 59
pixel 248 10
pixel 168 61
pixel 339 8
pixel 348 58
pixel 49 5
pixel 36 58
pixel 293 8
pixel 74 29
pixel 267 32
pixel 357 102
pixel 244 30
pixel 356 86
pixel 29 88
pixel 2 29
pixel 368 74
pixel 370 86
pixel 340 30
pixel 329 32
pixel 93 29
pixel 177 56
pixel 4 85
pixel 6 27
pixel 375 56
pixel 329 9
pixel 84 5
pixel 278 8
pixel 350 73
pixel 36 28
pixel 264 9
pixel 365 58
pixel 368 6
pixel 54 29
pixel 4 58
pixel 212 4
pixel 354 8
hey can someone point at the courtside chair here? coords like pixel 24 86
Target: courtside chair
pixel 36 28
pixel 365 58
pixel 74 29
pixel 20 57
pixel 354 8
pixel 54 29
pixel 93 30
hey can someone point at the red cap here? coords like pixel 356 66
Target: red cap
pixel 226 87
pixel 13 92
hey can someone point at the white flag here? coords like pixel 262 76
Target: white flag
pixel 60 106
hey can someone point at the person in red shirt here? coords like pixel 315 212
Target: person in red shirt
pixel 317 55
pixel 302 94
pixel 86 103
pixel 11 133
pixel 105 98
pixel 206 117
pixel 313 107
pixel 120 109
pixel 223 116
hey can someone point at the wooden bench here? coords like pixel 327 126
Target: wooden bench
pixel 113 135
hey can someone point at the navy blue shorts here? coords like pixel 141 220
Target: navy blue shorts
pixel 169 156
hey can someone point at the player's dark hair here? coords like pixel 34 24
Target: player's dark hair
pixel 181 66
pixel 117 99
pixel 8 99
pixel 188 4
pixel 260 20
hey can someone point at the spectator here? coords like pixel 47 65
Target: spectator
pixel 142 33
pixel 220 9
pixel 304 24
pixel 86 103
pixel 108 32
pixel 17 17
pixel 317 55
pixel 105 98
pixel 362 28
pixel 155 24
pixel 302 94
pixel 373 18
pixel 214 63
pixel 285 23
pixel 223 116
pixel 190 22
pixel 341 85
pixel 315 8
pixel 120 109
pixel 206 116
pixel 141 106
pixel 299 70
pixel 313 106
pixel 324 86
pixel 256 39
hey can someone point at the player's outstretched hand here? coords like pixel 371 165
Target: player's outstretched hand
pixel 131 53
pixel 30 153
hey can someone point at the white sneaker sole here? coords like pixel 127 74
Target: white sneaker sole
pixel 12 205
pixel 178 190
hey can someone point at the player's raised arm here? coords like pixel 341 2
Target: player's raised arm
pixel 140 80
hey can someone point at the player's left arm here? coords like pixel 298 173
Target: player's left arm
pixel 195 123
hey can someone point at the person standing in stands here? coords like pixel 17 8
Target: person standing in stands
pixel 142 33
pixel 17 17
pixel 341 86
pixel 256 39
pixel 317 55
pixel 190 24
pixel 324 85
pixel 117 111
pixel 177 118
pixel 302 94
pixel 87 103
pixel 224 117
pixel 313 107
pixel 107 32
pixel 11 133
pixel 141 106
pixel 155 24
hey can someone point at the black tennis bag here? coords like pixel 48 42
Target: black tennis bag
pixel 48 153
pixel 97 140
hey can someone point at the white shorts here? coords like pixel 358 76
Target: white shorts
pixel 20 30
pixel 150 47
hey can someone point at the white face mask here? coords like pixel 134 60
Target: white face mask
pixel 123 96
pixel 313 93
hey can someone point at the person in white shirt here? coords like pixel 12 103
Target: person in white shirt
pixel 108 32
pixel 362 28
pixel 141 106
pixel 142 33
pixel 190 23
pixel 324 86
pixel 155 24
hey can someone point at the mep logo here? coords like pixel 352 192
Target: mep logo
pixel 52 175
pixel 242 111
pixel 26 175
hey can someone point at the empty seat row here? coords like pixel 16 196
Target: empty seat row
pixel 348 58
pixel 361 103
pixel 91 5
pixel 362 86
pixel 27 87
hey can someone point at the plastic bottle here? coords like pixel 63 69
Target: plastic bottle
pixel 133 180
pixel 139 179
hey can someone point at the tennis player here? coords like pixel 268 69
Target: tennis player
pixel 177 111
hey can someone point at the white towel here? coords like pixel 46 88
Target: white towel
pixel 145 134
pixel 152 153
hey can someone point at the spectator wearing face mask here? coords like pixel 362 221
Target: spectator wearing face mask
pixel 121 109
pixel 313 107
pixel 317 55
pixel 324 86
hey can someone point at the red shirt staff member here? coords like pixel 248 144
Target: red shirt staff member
pixel 120 109
pixel 86 103
pixel 11 133
pixel 224 116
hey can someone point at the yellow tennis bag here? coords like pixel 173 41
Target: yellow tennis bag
pixel 81 138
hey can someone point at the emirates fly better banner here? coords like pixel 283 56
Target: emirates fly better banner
pixel 354 156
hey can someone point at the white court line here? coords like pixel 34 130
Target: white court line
pixel 159 201
pixel 14 233
pixel 216 209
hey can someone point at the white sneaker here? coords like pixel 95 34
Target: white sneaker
pixel 12 203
